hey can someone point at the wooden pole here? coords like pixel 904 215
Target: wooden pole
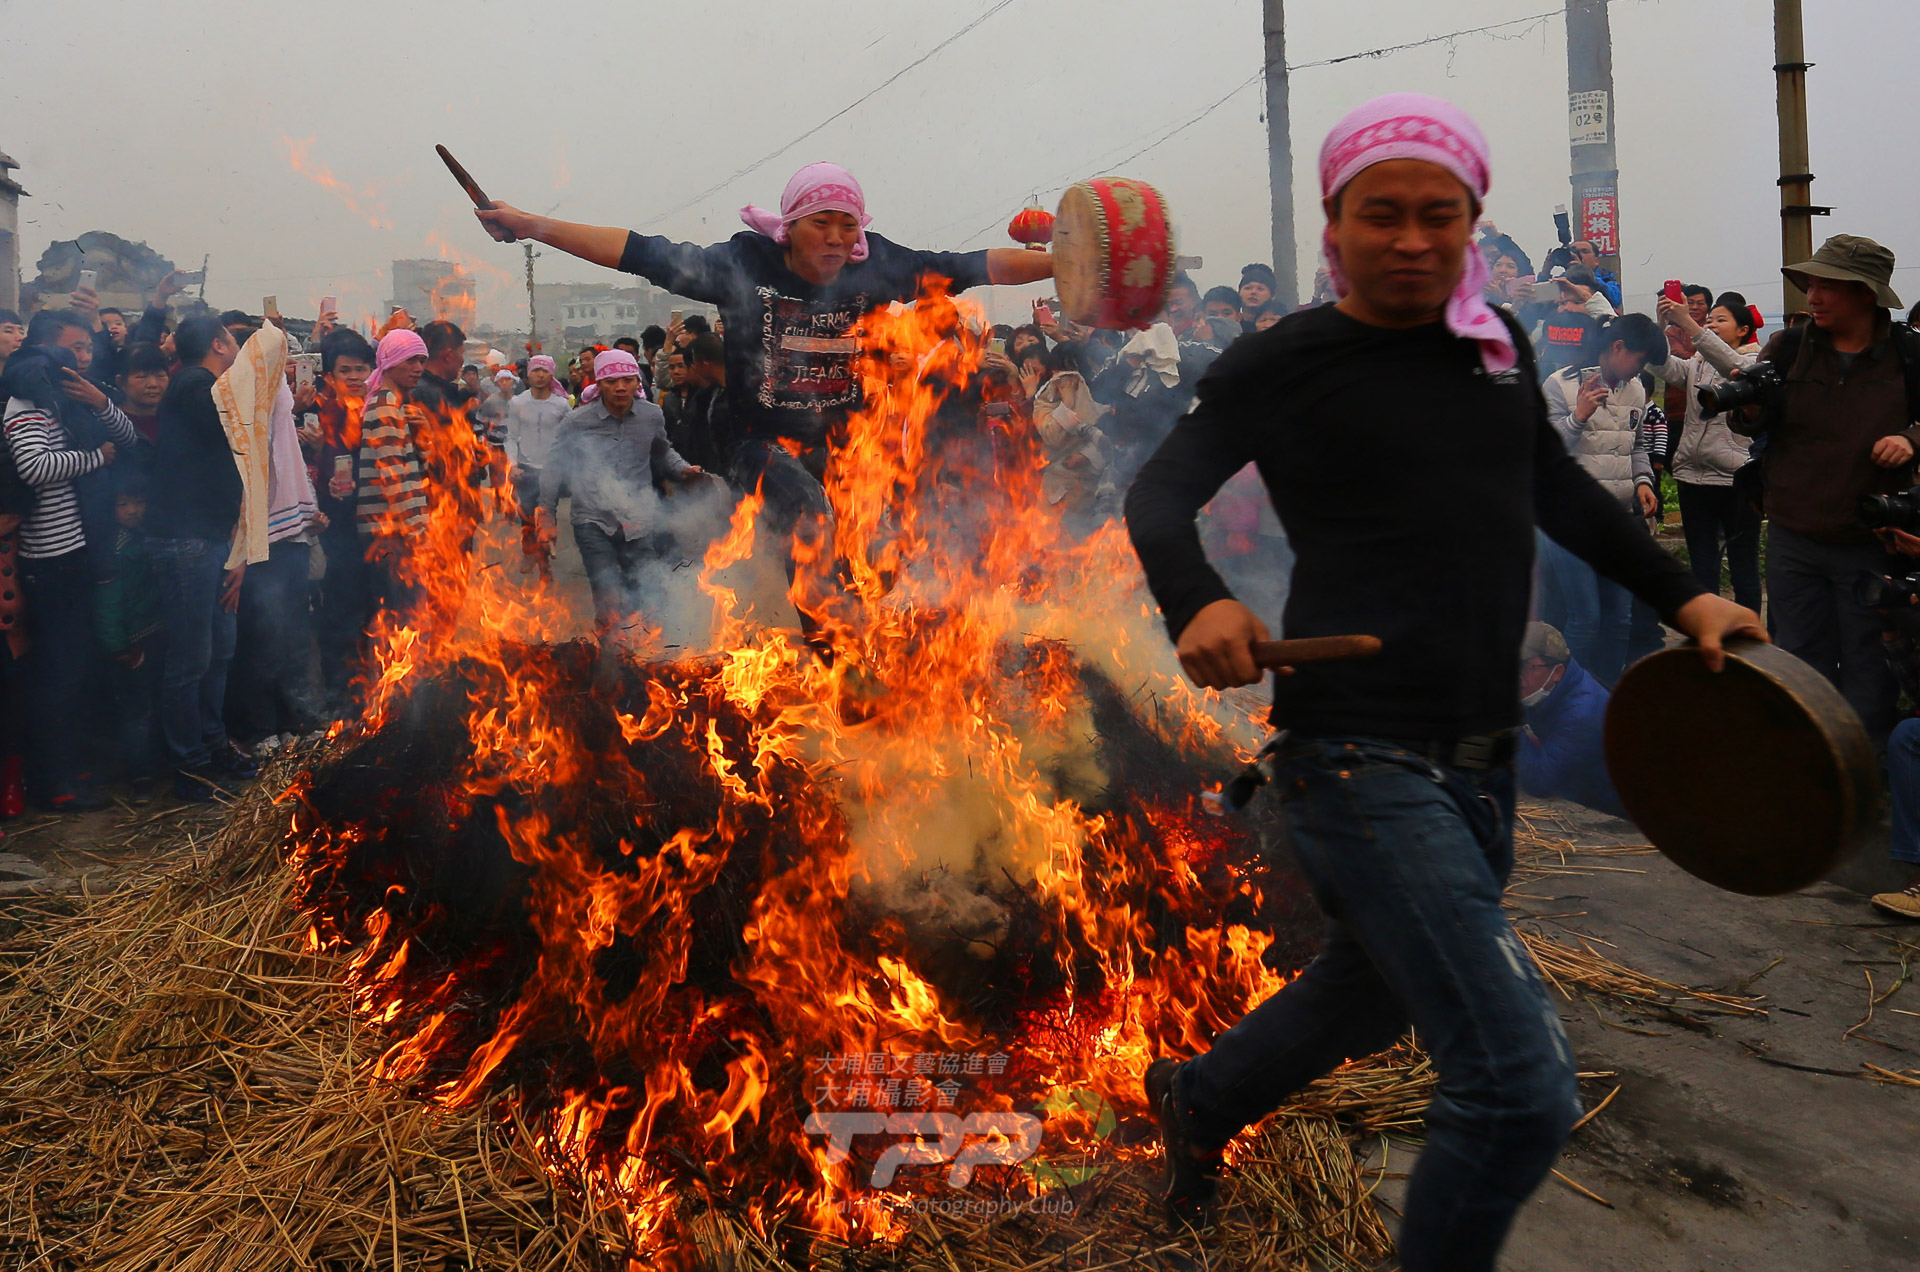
pixel 1286 268
pixel 1797 209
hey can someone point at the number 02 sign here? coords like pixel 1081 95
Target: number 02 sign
pixel 1587 118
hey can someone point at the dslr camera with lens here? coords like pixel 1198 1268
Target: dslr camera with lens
pixel 1896 599
pixel 1892 512
pixel 1758 385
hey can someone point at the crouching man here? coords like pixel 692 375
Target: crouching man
pixel 1562 752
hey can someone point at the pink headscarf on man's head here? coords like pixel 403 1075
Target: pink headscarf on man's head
pixel 395 347
pixel 818 187
pixel 611 364
pixel 539 360
pixel 1415 126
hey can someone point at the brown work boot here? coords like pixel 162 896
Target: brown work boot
pixel 1905 903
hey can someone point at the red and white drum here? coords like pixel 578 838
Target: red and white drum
pixel 1113 253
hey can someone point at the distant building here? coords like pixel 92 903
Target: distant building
pixel 569 315
pixel 10 192
pixel 431 289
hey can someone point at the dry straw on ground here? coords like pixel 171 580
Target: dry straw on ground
pixel 182 1088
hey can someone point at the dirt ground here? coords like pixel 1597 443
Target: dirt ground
pixel 1754 1143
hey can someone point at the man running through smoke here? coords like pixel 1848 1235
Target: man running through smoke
pixel 1396 776
pixel 791 292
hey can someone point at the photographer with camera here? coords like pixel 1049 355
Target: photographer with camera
pixel 1837 400
pixel 1587 256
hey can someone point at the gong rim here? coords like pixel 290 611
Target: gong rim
pixel 1759 779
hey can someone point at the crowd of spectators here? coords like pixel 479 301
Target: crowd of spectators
pixel 195 539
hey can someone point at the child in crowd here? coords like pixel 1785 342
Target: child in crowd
pixel 126 613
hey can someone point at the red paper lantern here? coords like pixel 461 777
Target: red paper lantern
pixel 1032 226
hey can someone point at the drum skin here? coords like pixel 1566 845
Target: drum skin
pixel 1113 253
pixel 1759 779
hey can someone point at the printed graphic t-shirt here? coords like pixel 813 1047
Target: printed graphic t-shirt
pixel 791 344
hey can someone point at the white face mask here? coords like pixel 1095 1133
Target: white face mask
pixel 1541 694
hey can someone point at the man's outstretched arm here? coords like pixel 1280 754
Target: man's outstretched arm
pixel 1015 265
pixel 601 244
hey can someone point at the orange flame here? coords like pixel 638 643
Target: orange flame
pixel 364 204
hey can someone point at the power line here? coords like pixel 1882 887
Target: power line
pixel 1432 39
pixel 1257 76
pixel 770 156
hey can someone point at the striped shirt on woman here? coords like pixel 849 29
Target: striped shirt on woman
pixel 46 460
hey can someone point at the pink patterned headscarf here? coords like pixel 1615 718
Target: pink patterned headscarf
pixel 395 347
pixel 539 360
pixel 1415 126
pixel 818 187
pixel 611 364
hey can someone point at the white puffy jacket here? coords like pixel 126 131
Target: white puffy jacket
pixel 1607 443
pixel 1707 452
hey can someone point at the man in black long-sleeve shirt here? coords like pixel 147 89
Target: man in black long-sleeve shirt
pixel 1407 450
pixel 792 292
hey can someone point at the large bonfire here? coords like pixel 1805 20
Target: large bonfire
pixel 811 927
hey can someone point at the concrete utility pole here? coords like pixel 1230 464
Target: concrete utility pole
pixel 533 323
pixel 1596 172
pixel 1797 209
pixel 1286 268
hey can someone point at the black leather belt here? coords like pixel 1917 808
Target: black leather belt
pixel 1481 751
pixel 1478 752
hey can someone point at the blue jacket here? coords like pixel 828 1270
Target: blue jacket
pixel 1608 284
pixel 1564 754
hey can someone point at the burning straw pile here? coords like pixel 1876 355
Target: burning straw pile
pixel 184 1085
pixel 568 958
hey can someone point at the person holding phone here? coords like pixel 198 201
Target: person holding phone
pixel 1598 410
pixel 1563 314
pixel 791 290
pixel 56 446
pixel 1707 452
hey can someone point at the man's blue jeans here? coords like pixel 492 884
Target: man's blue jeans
pixel 1408 859
pixel 200 636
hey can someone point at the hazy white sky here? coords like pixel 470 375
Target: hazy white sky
pixel 181 123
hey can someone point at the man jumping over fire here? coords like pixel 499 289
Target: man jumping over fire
pixel 1395 773
pixel 791 292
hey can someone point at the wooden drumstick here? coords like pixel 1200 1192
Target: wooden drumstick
pixel 467 183
pixel 1313 649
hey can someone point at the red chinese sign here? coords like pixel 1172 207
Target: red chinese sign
pixel 1600 222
